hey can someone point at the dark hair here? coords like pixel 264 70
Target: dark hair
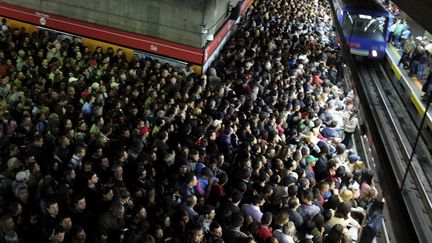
pixel 89 175
pixel 322 184
pixel 343 209
pixel 207 209
pixel 223 178
pixel 189 177
pixel 124 193
pixel 335 234
pixel 292 190
pixel 236 196
pixel 241 186
pixel 332 203
pixel 214 225
pixel 303 182
pixel 78 197
pixel 367 176
pixel 307 195
pixel 266 218
pixel 346 179
pixel 257 199
pixel 319 220
pixel 237 220
pixel 50 202
pixel 327 214
pixel 292 202
pixel 340 172
pixel 353 113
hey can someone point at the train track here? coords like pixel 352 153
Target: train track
pixel 398 132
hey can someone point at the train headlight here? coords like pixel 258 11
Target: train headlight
pixel 374 53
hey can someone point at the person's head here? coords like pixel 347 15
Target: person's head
pixel 140 212
pixel 38 140
pixel 117 210
pixel 191 179
pixel 346 195
pixel 304 183
pixel 340 149
pixel 209 212
pixel 282 218
pixel 194 155
pixel 58 234
pixel 307 197
pixel 343 210
pixel 237 220
pixel 87 166
pixel 80 152
pixel 66 222
pixel 107 194
pixel 289 228
pixel 184 217
pixel 197 235
pixel 258 200
pixel 23 193
pixel 11 237
pixel 236 196
pixel 293 202
pixel 183 169
pixel 216 230
pixel 292 190
pixel 6 223
pixel 191 201
pixel 223 178
pixel 336 233
pixel 124 195
pixel 249 240
pixel 79 234
pixel 367 176
pixel 70 174
pixel 158 233
pixel 323 186
pixel 92 178
pixel 52 208
pixel 267 219
pixel 148 239
pixel 319 220
pixel 117 170
pixel 340 171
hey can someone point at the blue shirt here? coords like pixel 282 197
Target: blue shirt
pixel 87 109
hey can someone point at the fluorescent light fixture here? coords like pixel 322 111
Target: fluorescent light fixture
pixel 362 16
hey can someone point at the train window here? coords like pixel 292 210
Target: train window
pixel 364 26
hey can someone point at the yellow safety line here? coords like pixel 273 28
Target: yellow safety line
pixel 396 71
pixel 417 83
pixel 420 108
pixel 418 104
pixel 395 51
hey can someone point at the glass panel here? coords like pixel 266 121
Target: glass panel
pixel 365 26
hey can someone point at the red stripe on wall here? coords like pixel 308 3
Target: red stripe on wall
pixel 211 47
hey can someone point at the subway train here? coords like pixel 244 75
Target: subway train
pixel 365 24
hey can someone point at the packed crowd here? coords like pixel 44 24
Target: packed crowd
pixel 98 148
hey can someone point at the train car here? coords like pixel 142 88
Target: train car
pixel 365 24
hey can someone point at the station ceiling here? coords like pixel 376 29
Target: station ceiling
pixel 419 10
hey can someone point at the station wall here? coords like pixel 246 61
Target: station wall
pixel 188 22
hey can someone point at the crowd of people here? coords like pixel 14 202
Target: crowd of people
pixel 415 52
pixel 98 148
